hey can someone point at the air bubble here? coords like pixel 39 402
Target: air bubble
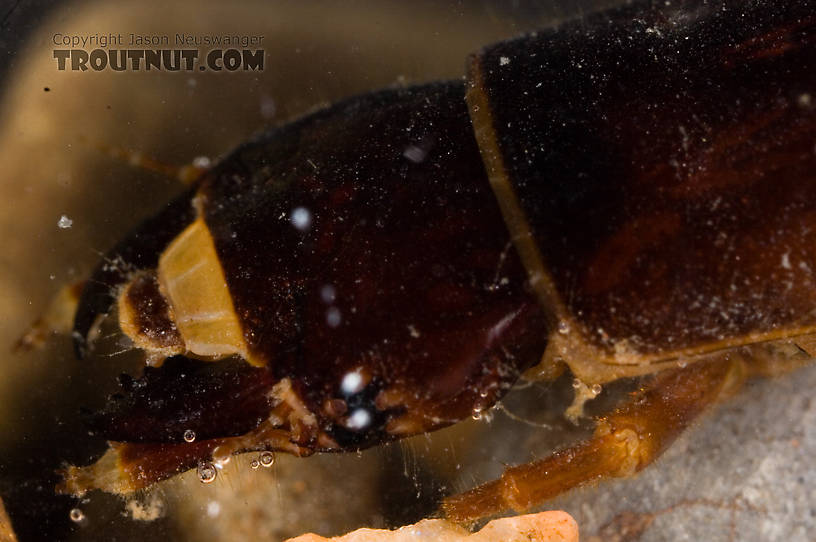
pixel 596 389
pixel 563 328
pixel 76 515
pixel 477 414
pixel 221 461
pixel 576 384
pixel 206 472
pixel 254 464
pixel 266 459
pixel 189 435
pixel 64 222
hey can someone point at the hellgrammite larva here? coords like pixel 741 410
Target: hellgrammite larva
pixel 629 195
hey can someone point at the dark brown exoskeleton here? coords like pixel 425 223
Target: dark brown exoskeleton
pixel 632 194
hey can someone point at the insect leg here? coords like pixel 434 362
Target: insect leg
pixel 186 174
pixel 128 467
pixel 628 439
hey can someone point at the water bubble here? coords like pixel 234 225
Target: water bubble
pixel 76 515
pixel 352 383
pixel 254 464
pixel 206 472
pixel 596 389
pixel 359 419
pixel 266 459
pixel 189 435
pixel 64 222
pixel 220 461
pixel 301 218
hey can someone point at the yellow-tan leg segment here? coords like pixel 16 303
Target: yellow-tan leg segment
pixel 628 439
pixel 57 318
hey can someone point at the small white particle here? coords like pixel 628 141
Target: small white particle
pixel 414 154
pixel 786 261
pixel 213 509
pixel 351 383
pixel 333 317
pixel 64 222
pixel 328 294
pixel 268 107
pixel 504 61
pixel 359 419
pixel 301 218
pixel 202 162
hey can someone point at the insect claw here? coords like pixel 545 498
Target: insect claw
pixel 77 481
pixel 128 467
pixel 33 338
pixel 583 393
pixel 190 173
pixel 154 359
